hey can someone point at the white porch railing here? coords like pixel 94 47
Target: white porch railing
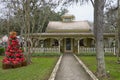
pixel 45 50
pixel 86 50
pixel 92 50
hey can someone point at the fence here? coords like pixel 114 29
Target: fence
pixel 92 50
pixel 81 50
pixel 45 50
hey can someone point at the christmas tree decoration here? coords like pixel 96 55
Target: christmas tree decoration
pixel 13 54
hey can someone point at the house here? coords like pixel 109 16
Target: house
pixel 68 36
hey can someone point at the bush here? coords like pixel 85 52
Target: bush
pixel 86 54
pixel 2 50
pixel 45 54
pixel 94 54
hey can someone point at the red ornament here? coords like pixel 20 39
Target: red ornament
pixel 5 59
pixel 20 51
pixel 17 59
pixel 7 62
pixel 15 62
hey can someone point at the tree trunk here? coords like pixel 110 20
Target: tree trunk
pixel 27 37
pixel 118 33
pixel 98 31
pixel 118 39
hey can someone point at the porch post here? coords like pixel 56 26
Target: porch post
pixel 114 50
pixel 59 45
pixel 78 46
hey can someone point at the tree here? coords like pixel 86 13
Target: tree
pixel 110 20
pixel 113 19
pixel 118 32
pixel 98 31
pixel 31 16
pixel 41 12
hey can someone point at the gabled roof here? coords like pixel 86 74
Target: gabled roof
pixel 74 26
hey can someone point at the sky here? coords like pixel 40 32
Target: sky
pixel 83 12
pixel 86 11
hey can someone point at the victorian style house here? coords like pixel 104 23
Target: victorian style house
pixel 69 36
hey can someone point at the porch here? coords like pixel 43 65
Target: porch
pixel 69 42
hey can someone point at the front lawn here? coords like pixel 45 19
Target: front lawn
pixel 111 66
pixel 40 69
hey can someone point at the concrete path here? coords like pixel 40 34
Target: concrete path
pixel 70 69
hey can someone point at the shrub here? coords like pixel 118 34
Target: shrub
pixel 45 54
pixel 87 54
pixel 94 54
pixel 2 50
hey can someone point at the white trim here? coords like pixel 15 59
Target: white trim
pixel 45 50
pixel 92 50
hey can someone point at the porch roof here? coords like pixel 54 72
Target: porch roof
pixel 71 35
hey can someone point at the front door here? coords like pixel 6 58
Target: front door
pixel 68 45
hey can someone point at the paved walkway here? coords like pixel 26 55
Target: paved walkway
pixel 70 69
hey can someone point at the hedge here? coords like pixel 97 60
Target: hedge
pixel 2 50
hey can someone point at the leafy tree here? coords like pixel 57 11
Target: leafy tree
pixel 112 20
pixel 29 16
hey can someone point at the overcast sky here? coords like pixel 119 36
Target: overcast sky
pixel 84 12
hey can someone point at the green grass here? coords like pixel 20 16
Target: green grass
pixel 111 66
pixel 40 69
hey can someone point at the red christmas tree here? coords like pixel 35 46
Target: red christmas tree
pixel 14 56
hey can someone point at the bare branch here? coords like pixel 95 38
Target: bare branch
pixel 92 2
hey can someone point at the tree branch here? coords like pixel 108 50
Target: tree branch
pixel 92 2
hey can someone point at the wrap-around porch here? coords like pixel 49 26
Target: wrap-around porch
pixel 69 43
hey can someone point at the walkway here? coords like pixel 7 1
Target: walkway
pixel 70 69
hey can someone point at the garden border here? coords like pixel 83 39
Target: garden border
pixel 86 69
pixel 53 74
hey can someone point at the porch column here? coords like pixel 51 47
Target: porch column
pixel 59 45
pixel 114 50
pixel 78 46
